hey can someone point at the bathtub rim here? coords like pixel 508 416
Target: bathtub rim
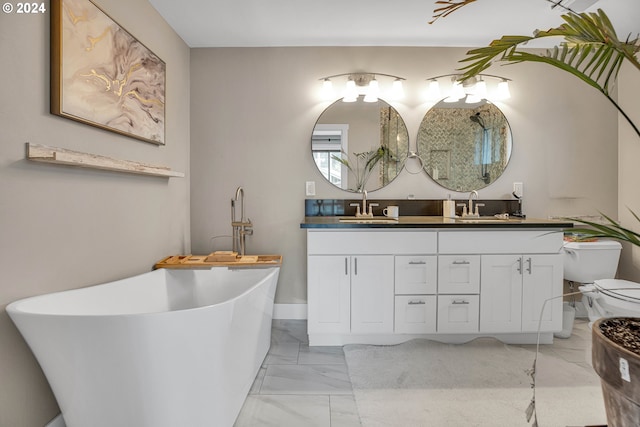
pixel 13 307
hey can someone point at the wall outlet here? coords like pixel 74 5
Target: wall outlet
pixel 310 188
pixel 518 189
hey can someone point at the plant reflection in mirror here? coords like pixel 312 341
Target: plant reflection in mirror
pixel 365 163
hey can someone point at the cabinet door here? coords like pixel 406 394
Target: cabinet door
pixel 328 293
pixel 501 293
pixel 542 279
pixel 372 297
pixel 416 274
pixel 459 274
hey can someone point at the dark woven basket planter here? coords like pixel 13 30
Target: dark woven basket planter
pixel 616 359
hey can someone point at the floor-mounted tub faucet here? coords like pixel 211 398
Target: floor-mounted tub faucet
pixel 240 228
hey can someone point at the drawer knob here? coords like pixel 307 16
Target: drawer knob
pixel 417 302
pixel 457 302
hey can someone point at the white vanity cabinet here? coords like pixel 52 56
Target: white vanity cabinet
pixel 519 271
pixel 351 278
pixel 385 286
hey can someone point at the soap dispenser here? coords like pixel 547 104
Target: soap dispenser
pixel 448 208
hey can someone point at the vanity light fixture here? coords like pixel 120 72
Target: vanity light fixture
pixel 472 90
pixel 359 84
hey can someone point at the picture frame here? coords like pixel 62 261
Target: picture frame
pixel 103 76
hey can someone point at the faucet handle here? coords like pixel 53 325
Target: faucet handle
pixel 477 213
pixel 371 205
pixel 464 208
pixel 357 205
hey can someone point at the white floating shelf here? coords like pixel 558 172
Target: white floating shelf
pixel 61 156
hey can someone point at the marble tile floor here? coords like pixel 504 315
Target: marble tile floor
pixel 300 386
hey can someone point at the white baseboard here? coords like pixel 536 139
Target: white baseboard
pixel 57 422
pixel 290 311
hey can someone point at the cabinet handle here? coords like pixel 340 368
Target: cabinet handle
pixel 356 266
pixel 346 266
pixel 461 262
pixel 417 262
pixel 520 265
pixel 458 302
pixel 529 265
pixel 416 302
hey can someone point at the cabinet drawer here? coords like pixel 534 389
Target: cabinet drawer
pixel 415 314
pixel 378 242
pixel 459 274
pixel 458 313
pixel 416 274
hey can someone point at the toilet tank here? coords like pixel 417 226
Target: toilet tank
pixel 585 262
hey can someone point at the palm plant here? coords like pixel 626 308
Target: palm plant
pixel 591 49
pixel 611 230
pixel 365 162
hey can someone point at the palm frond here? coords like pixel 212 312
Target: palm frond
pixel 591 51
pixel 611 229
pixel 449 7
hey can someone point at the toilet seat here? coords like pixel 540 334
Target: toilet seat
pixel 622 290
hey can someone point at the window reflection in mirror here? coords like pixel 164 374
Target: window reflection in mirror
pixel 360 145
pixel 464 147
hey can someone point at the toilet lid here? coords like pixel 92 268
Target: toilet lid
pixel 619 289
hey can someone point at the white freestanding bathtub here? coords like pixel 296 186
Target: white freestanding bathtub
pixel 163 349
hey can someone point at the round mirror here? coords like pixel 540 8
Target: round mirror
pixel 360 145
pixel 464 147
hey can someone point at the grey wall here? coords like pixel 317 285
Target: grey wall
pixel 63 228
pixel 253 109
pixel 629 173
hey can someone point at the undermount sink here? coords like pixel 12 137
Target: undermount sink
pixel 365 220
pixel 483 219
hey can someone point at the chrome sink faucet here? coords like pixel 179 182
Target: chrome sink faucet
pixel 365 212
pixel 470 211
pixel 364 202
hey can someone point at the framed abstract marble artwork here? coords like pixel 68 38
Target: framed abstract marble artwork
pixel 103 76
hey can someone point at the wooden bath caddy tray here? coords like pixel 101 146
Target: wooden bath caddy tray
pixel 219 259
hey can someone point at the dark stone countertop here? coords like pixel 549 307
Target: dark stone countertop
pixel 433 222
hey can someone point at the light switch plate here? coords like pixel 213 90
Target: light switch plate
pixel 518 189
pixel 310 188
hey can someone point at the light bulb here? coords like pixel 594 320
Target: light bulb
pixel 503 90
pixel 433 93
pixel 481 89
pixel 457 93
pixel 327 89
pixel 472 99
pixel 351 92
pixel 397 91
pixel 372 91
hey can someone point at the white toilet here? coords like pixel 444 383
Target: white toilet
pixel 593 266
